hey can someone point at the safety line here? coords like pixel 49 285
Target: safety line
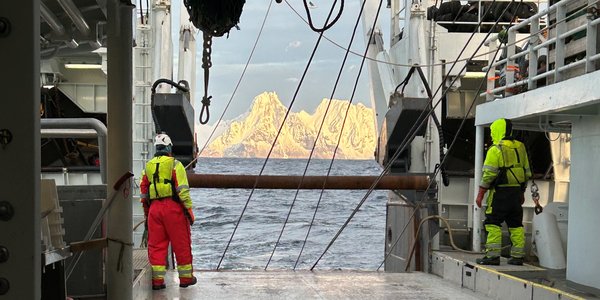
pixel 277 136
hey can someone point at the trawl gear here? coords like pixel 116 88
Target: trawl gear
pixel 165 196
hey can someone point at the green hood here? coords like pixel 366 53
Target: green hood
pixel 500 129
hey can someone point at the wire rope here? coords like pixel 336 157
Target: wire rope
pixel 343 125
pixel 460 128
pixel 262 26
pixel 396 64
pixel 315 143
pixel 413 214
pixel 412 132
pixel 276 136
pixel 441 164
pixel 441 63
pixel 327 25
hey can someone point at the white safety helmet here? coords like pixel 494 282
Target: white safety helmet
pixel 162 139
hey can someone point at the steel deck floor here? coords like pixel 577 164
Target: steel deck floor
pixel 553 280
pixel 313 285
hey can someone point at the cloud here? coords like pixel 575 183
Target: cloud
pixel 292 79
pixel 293 44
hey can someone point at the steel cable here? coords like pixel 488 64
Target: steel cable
pixel 276 136
pixel 442 63
pixel 315 145
pixel 412 132
pixel 343 122
pixel 327 25
pixel 413 214
pixel 262 26
pixel 441 164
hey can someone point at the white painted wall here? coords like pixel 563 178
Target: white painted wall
pixel 584 204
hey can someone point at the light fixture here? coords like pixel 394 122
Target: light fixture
pixel 83 66
pixel 474 75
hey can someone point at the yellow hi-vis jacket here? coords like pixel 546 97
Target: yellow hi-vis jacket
pixel 162 176
pixel 506 162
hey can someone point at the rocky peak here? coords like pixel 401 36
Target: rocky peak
pixel 252 135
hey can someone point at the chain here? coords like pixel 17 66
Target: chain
pixel 206 64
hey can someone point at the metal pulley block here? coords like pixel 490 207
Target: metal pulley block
pixel 214 17
pixel 535 196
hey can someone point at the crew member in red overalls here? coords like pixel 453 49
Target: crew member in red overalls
pixel 165 196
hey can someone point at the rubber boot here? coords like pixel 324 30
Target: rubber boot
pixel 494 261
pixel 517 261
pixel 158 287
pixel 185 282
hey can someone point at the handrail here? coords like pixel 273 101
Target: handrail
pixel 536 45
pixel 83 123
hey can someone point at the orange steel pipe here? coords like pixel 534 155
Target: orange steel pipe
pixel 389 182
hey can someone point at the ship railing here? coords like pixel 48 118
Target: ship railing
pixel 570 49
pixel 484 8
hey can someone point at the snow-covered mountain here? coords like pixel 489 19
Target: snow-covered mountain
pixel 252 134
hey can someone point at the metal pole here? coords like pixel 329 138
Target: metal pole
pixel 309 182
pixel 119 267
pixel 478 168
pixel 20 251
pixel 83 123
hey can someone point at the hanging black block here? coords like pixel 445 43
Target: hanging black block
pixel 214 17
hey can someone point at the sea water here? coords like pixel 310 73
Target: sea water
pixel 359 247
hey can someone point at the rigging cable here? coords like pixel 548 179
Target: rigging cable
pixel 327 25
pixel 315 145
pixel 413 214
pixel 277 136
pixel 412 132
pixel 262 26
pixel 343 125
pixel 442 63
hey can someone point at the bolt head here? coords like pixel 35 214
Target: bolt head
pixel 3 254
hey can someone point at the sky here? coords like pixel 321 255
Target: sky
pixel 279 60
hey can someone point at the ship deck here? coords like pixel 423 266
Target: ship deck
pixel 313 285
pixel 505 281
pixel 454 276
pixel 286 284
